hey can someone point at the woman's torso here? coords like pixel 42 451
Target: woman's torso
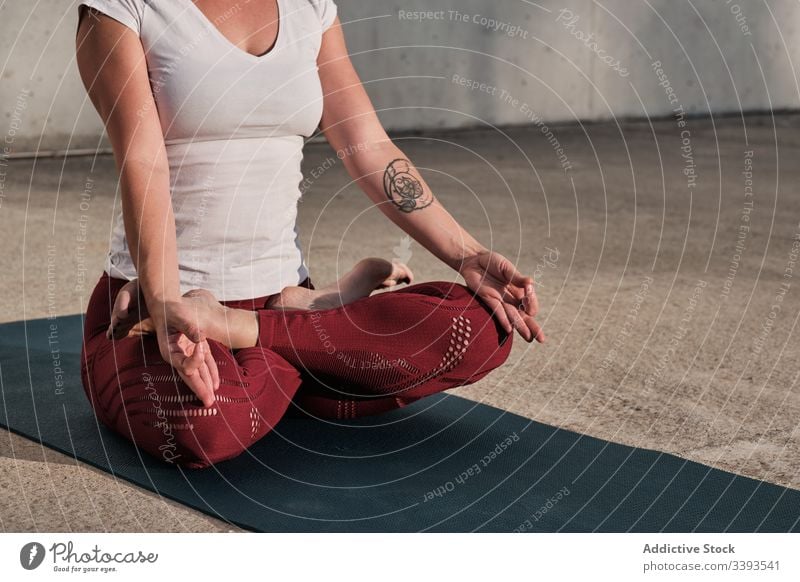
pixel 234 126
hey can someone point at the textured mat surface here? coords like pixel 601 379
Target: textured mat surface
pixel 441 464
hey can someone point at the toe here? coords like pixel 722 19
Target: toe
pixel 402 274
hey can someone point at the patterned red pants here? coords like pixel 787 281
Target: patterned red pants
pixel 375 354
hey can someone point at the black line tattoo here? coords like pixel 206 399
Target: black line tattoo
pixel 403 189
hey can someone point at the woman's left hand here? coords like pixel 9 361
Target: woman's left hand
pixel 509 294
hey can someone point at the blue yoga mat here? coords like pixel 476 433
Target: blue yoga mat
pixel 443 464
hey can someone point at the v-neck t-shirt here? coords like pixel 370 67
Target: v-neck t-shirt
pixel 234 125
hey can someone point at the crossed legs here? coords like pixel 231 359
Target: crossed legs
pixel 365 355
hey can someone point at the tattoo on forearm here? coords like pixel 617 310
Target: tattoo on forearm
pixel 403 189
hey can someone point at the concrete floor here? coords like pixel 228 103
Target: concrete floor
pixel 661 331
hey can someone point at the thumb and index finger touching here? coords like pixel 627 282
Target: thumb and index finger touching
pixel 523 283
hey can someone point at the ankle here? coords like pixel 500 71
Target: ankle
pixel 242 327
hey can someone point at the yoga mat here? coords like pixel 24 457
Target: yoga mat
pixel 443 464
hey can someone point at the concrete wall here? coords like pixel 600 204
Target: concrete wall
pixel 471 62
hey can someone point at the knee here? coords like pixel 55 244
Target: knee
pixel 191 436
pixel 471 336
pixel 477 345
pixel 453 299
pixel 164 418
pixel 449 291
pixel 256 389
pixel 196 437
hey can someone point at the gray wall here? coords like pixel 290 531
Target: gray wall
pixel 534 59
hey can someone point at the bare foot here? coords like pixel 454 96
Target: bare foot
pixel 238 328
pixel 367 276
pixel 235 328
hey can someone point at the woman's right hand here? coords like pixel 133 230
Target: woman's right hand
pixel 182 343
pixel 181 340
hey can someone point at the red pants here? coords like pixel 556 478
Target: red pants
pixel 375 354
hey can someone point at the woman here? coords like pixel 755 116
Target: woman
pixel 204 327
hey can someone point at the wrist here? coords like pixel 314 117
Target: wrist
pixel 159 295
pixel 159 307
pixel 468 255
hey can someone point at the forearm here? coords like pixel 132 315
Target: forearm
pixel 353 129
pixel 150 229
pixel 378 166
pixel 391 180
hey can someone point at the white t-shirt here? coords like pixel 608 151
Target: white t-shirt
pixel 234 126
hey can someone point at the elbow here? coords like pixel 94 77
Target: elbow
pixel 154 165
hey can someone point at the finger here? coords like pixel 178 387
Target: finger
pixel 409 276
pixel 513 295
pixel 180 352
pixel 136 331
pixel 518 323
pixel 516 297
pixel 531 301
pixel 212 367
pixel 191 330
pixel 139 328
pixel 122 329
pixel 499 312
pixel 524 296
pixel 518 279
pixel 205 376
pixel 511 274
pixel 196 359
pixel 179 346
pixel 145 326
pixel 121 304
pixel 129 308
pixel 196 384
pixel 205 372
pixel 118 312
pixel 191 370
pixel 535 329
